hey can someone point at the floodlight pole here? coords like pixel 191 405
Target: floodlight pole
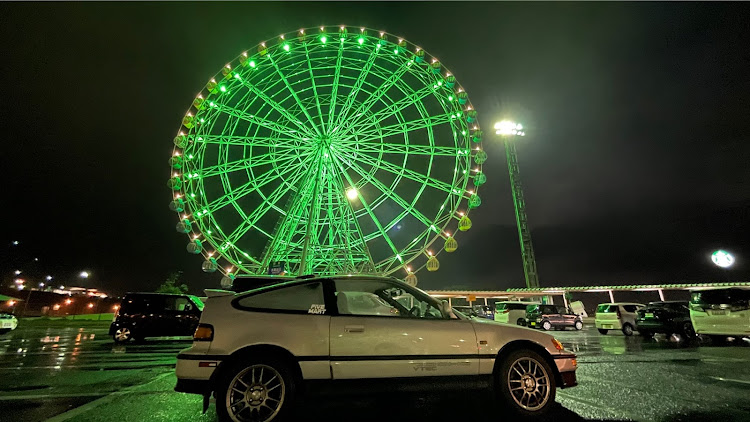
pixel 524 234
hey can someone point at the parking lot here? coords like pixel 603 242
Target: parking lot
pixel 78 374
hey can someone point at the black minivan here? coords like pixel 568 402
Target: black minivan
pixel 144 315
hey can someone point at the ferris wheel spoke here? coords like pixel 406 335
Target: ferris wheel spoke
pixel 269 203
pixel 243 164
pixel 389 110
pixel 315 88
pixel 381 90
pixel 276 106
pixel 402 171
pixel 231 111
pixel 253 185
pixel 400 128
pixel 254 141
pixel 367 207
pixel 409 207
pixel 405 149
pixel 352 97
pixel 294 94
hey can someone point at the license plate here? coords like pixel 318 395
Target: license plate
pixel 649 315
pixel 607 326
pixel 533 324
pixel 719 312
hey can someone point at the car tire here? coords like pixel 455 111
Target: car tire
pixel 546 325
pixel 525 384
pixel 687 330
pixel 268 397
pixel 578 325
pixel 122 335
pixel 627 329
pixel 602 331
pixel 645 333
pixel 521 322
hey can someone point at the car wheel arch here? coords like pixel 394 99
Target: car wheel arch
pixel 258 350
pixel 529 345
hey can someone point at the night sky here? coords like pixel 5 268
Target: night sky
pixel 635 166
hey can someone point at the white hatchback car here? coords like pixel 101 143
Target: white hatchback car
pixel 8 323
pixel 255 350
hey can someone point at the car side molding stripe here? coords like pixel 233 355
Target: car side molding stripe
pixel 185 356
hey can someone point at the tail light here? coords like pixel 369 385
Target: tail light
pixel 204 332
pixel 506 311
pixel 619 314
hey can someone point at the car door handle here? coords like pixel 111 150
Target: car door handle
pixel 354 328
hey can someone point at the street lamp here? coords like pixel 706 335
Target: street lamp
pixel 49 277
pixel 84 274
pixel 509 130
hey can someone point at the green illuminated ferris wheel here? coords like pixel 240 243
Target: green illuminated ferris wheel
pixel 331 150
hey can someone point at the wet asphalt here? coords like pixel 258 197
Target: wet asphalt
pixel 79 374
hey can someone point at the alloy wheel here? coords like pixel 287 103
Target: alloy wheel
pixel 123 334
pixel 529 383
pixel 255 394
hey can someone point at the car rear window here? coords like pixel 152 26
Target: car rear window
pixel 300 298
pixel 606 308
pixel 630 308
pixel 721 297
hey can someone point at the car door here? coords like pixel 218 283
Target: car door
pixel 566 318
pixel 183 316
pixel 386 329
pixel 550 312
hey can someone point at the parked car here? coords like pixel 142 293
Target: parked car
pixel 720 313
pixel 144 315
pixel 665 317
pixel 484 311
pixel 8 323
pixel 617 316
pixel 255 350
pixel 511 312
pixel 548 317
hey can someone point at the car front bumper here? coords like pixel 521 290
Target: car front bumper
pixel 566 365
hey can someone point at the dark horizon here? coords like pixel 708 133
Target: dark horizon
pixel 634 165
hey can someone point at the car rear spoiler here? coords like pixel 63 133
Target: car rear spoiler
pixel 217 293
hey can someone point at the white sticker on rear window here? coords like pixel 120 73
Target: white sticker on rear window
pixel 317 309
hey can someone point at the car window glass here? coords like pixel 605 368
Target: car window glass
pixel 178 304
pixel 299 298
pixel 562 310
pixel 380 298
pixel 630 308
pixel 145 304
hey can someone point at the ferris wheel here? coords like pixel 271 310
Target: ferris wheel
pixel 331 150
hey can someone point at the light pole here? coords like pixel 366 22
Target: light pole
pixel 723 260
pixel 509 130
